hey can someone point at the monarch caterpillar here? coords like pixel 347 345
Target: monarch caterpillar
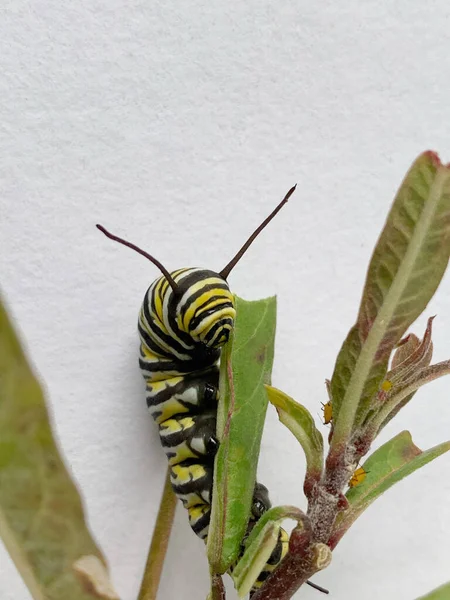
pixel 185 319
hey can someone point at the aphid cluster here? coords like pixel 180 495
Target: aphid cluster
pixel 360 474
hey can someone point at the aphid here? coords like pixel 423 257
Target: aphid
pixel 384 390
pixel 185 319
pixel 327 410
pixel 358 477
pixel 386 386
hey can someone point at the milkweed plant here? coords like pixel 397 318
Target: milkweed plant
pixel 378 370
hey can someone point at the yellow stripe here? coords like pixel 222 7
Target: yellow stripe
pixel 182 452
pixel 177 425
pixel 206 324
pixel 168 409
pixel 190 313
pixel 185 474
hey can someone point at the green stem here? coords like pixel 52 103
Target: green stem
pixel 217 588
pixel 158 546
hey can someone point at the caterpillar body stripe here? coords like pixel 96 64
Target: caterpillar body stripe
pixel 185 319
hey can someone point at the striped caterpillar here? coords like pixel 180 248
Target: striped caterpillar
pixel 185 319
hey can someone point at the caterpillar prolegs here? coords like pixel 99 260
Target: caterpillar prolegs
pixel 185 319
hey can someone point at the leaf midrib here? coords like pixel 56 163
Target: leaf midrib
pixel 382 321
pixel 364 501
pixel 20 559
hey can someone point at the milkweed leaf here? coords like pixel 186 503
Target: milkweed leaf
pixel 396 459
pixel 411 356
pixel 260 544
pixel 42 522
pixel 407 265
pixel 441 593
pixel 276 513
pixel 299 421
pixel 404 393
pixel 255 558
pixel 246 365
pixel 409 370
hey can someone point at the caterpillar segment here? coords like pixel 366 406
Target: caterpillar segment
pixel 260 504
pixel 276 557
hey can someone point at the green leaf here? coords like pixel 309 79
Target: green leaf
pixel 411 356
pixel 441 593
pixel 300 422
pixel 42 523
pixel 404 393
pixel 276 513
pixel 407 265
pixel 255 558
pixel 260 544
pixel 389 464
pixel 406 347
pixel 246 365
pixel 410 370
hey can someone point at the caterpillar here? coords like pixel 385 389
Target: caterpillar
pixel 185 319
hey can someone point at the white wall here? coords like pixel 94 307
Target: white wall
pixel 180 125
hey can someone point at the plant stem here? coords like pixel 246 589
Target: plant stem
pixel 217 588
pixel 159 543
pixel 293 572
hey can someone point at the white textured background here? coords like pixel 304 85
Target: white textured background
pixel 180 125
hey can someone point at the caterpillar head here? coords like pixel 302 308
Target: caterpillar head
pixel 260 502
pixel 204 305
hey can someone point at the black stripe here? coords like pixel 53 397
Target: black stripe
pixel 178 367
pixel 198 380
pixel 275 557
pixel 203 522
pixel 193 486
pixel 206 288
pixel 197 319
pixel 151 343
pixel 160 366
pixel 263 575
pixel 175 439
pixel 169 391
pixel 210 300
pixel 184 286
pixel 203 426
pixel 156 414
pixel 165 337
pixel 219 325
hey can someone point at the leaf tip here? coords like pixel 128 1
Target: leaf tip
pixel 433 157
pixel 94 577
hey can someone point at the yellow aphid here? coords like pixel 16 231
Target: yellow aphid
pixel 327 413
pixel 358 477
pixel 386 385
